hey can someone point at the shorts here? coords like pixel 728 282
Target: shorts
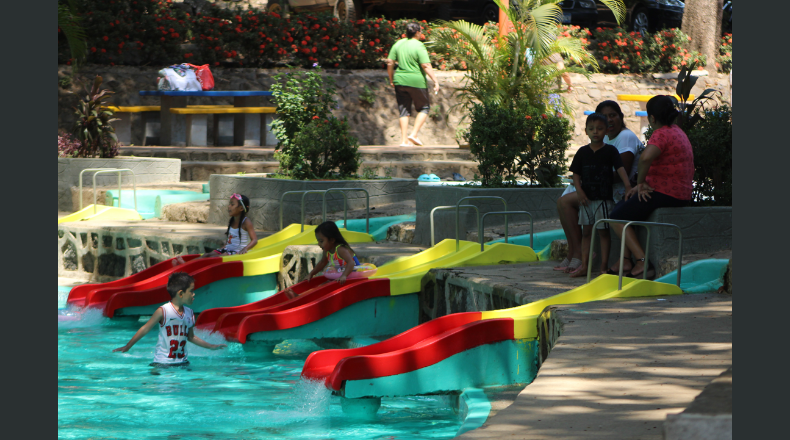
pixel 635 210
pixel 160 365
pixel 594 211
pixel 406 95
pixel 225 251
pixel 569 189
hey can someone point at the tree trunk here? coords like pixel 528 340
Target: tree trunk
pixel 702 22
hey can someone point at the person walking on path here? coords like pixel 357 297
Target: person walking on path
pixel 409 81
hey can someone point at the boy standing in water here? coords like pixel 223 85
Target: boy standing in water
pixel 176 325
pixel 592 176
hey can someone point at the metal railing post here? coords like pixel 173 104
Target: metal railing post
pixel 628 223
pixel 440 208
pixel 345 205
pixel 457 220
pixel 98 171
pixel 304 194
pixel 282 197
pixel 505 213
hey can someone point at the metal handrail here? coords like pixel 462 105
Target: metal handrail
pixel 440 208
pixel 628 223
pixel 282 197
pixel 108 170
pixel 324 192
pixel 458 205
pixel 505 213
pixel 345 205
pixel 304 194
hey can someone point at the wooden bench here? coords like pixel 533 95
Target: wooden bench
pixel 123 127
pixel 248 124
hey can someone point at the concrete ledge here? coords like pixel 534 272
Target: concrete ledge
pixel 709 417
pixel 540 202
pixel 264 194
pixel 146 170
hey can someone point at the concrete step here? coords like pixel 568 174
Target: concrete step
pixel 199 163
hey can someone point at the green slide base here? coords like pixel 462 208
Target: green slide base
pixel 502 363
pixel 383 316
pixel 229 292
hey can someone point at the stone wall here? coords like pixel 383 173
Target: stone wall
pixel 100 254
pixel 264 194
pixel 540 202
pixel 146 170
pixel 375 124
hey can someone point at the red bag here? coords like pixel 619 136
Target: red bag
pixel 204 76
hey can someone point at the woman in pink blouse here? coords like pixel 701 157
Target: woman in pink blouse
pixel 666 170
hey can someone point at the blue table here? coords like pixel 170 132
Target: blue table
pixel 170 124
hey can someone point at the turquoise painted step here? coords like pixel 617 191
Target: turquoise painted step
pixel 147 199
pixel 541 244
pixel 378 225
pixel 229 292
pixel 700 276
pixel 382 316
pixel 498 364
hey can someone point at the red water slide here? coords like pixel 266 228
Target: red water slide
pixel 78 294
pixel 317 299
pixel 419 347
pixel 159 273
pixel 208 319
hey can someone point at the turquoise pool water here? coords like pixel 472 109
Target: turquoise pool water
pixel 225 394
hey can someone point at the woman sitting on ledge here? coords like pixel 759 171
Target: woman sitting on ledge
pixel 666 170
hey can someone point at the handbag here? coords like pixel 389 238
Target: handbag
pixel 178 77
pixel 204 76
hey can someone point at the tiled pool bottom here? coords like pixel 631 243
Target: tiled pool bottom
pixel 225 394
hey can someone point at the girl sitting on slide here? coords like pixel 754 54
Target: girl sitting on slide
pixel 241 233
pixel 336 249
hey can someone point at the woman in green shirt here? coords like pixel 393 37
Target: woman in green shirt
pixel 409 81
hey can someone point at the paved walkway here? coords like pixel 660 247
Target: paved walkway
pixel 619 367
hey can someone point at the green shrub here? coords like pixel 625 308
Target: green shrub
pixel 301 97
pixel 324 149
pixel 517 142
pixel 711 140
pixel 311 143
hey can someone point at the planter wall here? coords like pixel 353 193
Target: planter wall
pixel 264 194
pixel 540 202
pixel 146 170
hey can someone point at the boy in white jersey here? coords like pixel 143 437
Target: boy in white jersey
pixel 176 322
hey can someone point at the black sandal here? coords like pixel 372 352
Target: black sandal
pixel 642 275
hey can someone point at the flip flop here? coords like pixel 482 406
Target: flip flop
pixel 639 276
pixel 415 140
pixel 562 266
pixel 574 264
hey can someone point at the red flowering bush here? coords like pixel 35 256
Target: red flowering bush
pixel 619 51
pixel 130 32
pixel 724 60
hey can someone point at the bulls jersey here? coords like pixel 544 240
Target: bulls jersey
pixel 172 345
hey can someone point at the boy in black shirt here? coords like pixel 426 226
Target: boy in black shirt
pixel 592 176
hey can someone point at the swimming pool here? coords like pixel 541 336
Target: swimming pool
pixel 233 393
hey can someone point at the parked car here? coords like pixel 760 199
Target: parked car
pixel 645 15
pixel 355 9
pixel 582 13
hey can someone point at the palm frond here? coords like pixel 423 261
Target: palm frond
pixel 69 24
